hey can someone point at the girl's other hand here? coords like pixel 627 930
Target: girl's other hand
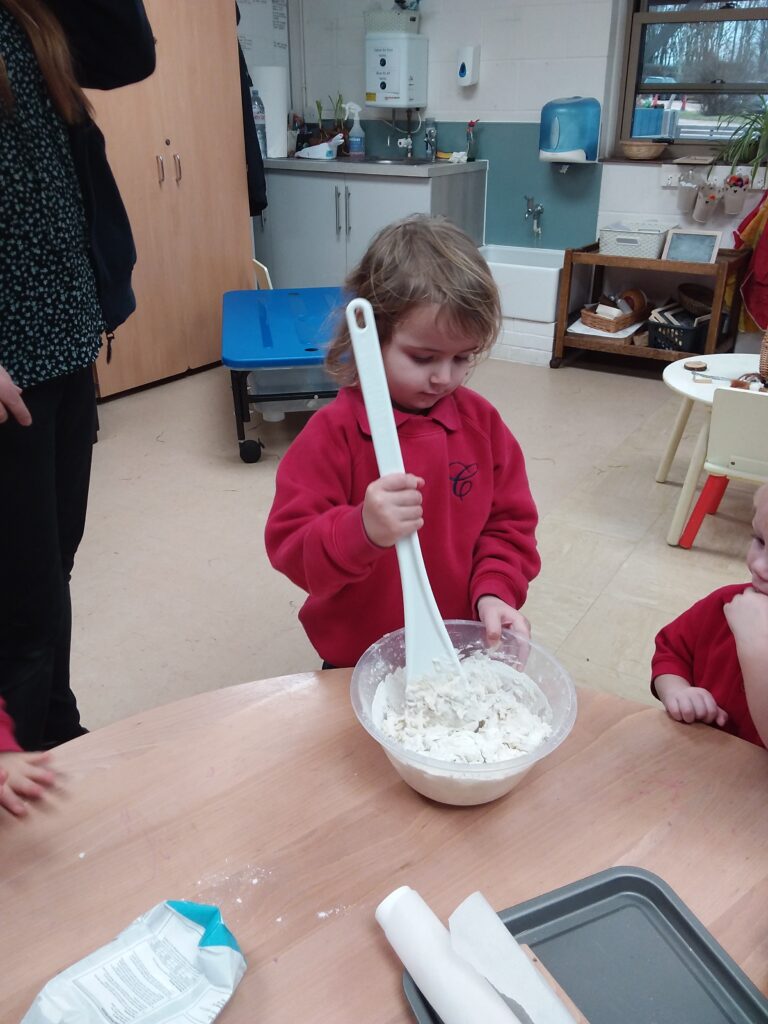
pixel 392 508
pixel 496 615
pixel 11 402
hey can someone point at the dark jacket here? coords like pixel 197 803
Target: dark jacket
pixel 254 165
pixel 112 45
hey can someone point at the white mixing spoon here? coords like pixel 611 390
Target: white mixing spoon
pixel 426 638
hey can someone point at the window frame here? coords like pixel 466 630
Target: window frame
pixel 639 16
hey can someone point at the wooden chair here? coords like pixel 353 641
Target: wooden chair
pixel 737 449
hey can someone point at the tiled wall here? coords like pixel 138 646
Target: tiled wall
pixel 529 53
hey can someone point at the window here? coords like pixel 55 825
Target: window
pixel 689 66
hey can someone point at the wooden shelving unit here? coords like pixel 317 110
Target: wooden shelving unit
pixel 729 262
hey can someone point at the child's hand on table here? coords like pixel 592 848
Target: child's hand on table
pixel 23 776
pixel 392 508
pixel 686 703
pixel 496 615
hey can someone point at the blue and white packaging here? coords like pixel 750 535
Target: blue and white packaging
pixel 176 964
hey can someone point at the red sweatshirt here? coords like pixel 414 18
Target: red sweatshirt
pixel 699 646
pixel 479 519
pixel 7 738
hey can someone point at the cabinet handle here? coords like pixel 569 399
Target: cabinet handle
pixel 160 170
pixel 177 165
pixel 347 218
pixel 337 197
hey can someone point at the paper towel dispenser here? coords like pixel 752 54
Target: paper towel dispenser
pixel 570 130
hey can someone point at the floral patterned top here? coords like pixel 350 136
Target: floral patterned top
pixel 50 317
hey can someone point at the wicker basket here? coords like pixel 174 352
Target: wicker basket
pixel 612 324
pixel 764 357
pixel 696 298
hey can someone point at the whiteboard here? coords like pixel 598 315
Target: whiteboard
pixel 692 246
pixel 263 33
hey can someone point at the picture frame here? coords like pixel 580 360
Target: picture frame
pixel 686 245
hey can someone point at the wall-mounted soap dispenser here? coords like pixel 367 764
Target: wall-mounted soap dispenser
pixel 570 130
pixel 468 65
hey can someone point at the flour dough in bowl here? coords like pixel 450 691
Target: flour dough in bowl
pixel 492 713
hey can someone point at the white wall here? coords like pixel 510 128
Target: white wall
pixel 530 52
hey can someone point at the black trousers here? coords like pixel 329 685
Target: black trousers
pixel 44 476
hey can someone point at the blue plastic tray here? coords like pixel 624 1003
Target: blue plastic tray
pixel 279 328
pixel 627 950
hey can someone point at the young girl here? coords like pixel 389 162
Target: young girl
pixel 334 522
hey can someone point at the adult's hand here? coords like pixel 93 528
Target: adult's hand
pixel 11 402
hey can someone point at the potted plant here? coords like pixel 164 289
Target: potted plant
pixel 747 146
pixel 338 122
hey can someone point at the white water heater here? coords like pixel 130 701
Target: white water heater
pixel 395 69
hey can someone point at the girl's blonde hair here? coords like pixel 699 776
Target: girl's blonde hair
pixel 415 262
pixel 51 50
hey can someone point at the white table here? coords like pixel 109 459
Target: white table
pixel 728 365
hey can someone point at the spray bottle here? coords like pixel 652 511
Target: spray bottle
pixel 356 141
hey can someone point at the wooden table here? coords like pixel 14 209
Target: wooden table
pixel 270 800
pixel 728 365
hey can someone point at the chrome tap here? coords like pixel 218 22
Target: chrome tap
pixel 535 211
pixel 430 139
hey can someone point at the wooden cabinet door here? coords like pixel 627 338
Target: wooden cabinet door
pixel 175 144
pixel 211 249
pixel 150 345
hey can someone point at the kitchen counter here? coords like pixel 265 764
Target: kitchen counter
pixel 398 169
pixel 271 801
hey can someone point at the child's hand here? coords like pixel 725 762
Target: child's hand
pixel 23 776
pixel 392 508
pixel 495 614
pixel 747 617
pixel 686 703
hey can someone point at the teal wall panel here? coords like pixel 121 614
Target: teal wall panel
pixel 570 200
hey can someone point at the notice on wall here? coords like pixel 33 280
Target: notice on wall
pixel 263 32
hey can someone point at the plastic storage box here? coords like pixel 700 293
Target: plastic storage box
pixel 273 343
pixel 642 239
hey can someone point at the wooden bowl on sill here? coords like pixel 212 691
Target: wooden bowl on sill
pixel 642 149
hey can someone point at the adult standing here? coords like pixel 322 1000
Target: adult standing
pixel 66 255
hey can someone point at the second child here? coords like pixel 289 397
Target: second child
pixel 711 663
pixel 334 522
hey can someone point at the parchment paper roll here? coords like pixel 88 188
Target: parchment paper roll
pixel 272 83
pixel 479 936
pixel 455 990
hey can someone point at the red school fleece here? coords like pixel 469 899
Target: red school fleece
pixel 479 519
pixel 7 738
pixel 700 647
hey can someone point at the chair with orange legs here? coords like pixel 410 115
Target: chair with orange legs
pixel 737 450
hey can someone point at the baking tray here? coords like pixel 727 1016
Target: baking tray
pixel 626 949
